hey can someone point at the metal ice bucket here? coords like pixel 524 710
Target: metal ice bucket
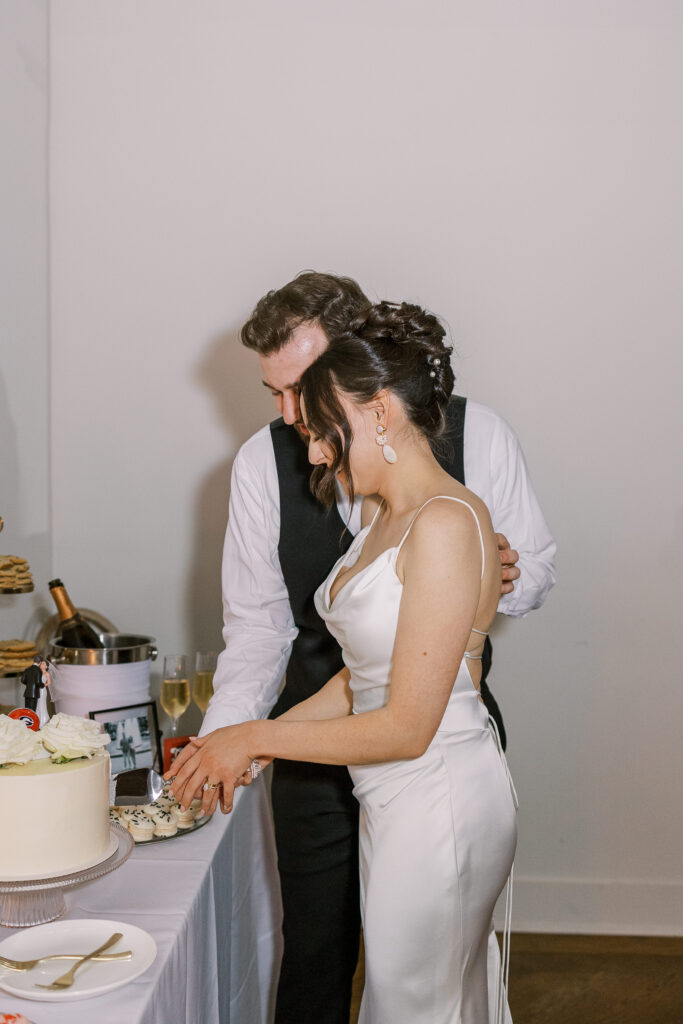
pixel 91 679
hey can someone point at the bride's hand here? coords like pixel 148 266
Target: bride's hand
pixel 219 759
pixel 187 751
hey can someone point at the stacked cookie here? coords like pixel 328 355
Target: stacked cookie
pixel 16 655
pixel 14 573
pixel 162 819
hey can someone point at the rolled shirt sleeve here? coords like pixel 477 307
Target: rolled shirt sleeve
pixel 258 626
pixel 496 470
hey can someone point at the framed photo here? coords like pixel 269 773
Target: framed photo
pixel 134 731
pixel 172 747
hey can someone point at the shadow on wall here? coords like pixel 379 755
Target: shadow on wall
pixel 9 500
pixel 9 461
pixel 229 375
pixel 20 615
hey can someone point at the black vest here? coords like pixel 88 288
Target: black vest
pixel 312 538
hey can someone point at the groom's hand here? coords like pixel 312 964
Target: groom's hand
pixel 508 564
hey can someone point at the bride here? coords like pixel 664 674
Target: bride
pixel 410 603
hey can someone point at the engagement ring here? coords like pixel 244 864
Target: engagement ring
pixel 255 769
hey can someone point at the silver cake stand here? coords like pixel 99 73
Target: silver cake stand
pixel 38 901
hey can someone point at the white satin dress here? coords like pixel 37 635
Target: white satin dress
pixel 437 833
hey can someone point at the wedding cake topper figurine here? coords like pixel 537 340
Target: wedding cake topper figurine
pixel 35 680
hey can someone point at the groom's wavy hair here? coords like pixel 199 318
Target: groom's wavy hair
pixel 331 301
pixel 397 346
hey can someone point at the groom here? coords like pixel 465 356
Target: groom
pixel 280 543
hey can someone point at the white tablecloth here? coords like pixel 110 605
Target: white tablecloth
pixel 211 902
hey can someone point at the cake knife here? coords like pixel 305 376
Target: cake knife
pixel 136 786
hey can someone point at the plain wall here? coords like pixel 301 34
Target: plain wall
pixel 24 361
pixel 517 169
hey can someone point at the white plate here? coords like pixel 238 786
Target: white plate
pixel 92 979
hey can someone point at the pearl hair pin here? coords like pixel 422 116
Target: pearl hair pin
pixel 433 361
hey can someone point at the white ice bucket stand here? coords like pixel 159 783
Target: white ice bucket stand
pixel 92 679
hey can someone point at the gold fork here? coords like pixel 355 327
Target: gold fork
pixel 27 965
pixel 67 980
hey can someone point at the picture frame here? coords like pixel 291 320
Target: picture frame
pixel 172 747
pixel 135 737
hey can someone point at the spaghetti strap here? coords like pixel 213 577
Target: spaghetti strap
pixel 449 497
pixel 366 529
pixel 377 510
pixel 362 533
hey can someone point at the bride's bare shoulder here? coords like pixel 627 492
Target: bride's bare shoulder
pixel 441 517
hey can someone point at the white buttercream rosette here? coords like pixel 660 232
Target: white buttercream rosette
pixel 68 737
pixel 17 743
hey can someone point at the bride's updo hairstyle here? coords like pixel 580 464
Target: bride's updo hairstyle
pixel 394 346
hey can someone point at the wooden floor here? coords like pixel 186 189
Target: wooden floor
pixel 588 979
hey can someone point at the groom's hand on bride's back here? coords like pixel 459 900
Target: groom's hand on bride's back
pixel 508 564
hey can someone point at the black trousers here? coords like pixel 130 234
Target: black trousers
pixel 492 707
pixel 316 833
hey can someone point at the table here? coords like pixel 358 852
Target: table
pixel 211 901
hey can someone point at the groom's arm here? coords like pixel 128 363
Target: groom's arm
pixel 496 470
pixel 258 627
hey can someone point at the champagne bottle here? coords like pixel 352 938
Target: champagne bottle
pixel 72 630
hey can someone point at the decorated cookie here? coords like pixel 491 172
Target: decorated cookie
pixel 185 818
pixel 126 813
pixel 196 807
pixel 159 813
pixel 147 809
pixel 166 823
pixel 140 826
pixel 166 802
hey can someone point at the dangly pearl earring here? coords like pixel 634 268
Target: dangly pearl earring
pixel 387 451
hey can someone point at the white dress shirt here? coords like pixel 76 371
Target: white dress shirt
pixel 259 629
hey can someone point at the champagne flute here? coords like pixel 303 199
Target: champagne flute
pixel 175 688
pixel 204 668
